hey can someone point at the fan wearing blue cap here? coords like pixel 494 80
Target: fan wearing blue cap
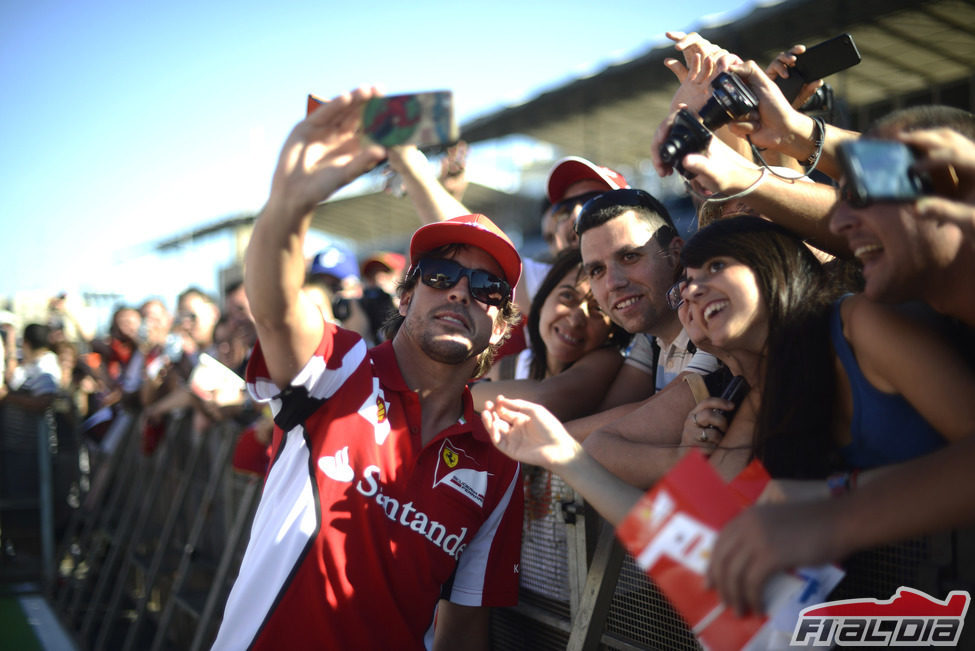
pixel 334 272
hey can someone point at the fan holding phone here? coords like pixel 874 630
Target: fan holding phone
pixel 799 71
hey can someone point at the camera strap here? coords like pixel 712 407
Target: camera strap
pixel 718 198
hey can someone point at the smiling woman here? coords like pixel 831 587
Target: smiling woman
pixel 827 394
pixel 574 348
pixel 565 322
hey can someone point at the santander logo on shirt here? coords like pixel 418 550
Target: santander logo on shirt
pixel 338 468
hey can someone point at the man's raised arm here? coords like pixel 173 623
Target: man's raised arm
pixel 323 153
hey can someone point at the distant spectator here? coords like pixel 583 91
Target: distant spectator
pixel 76 380
pixel 235 304
pixel 30 390
pixel 381 273
pixel 120 361
pixel 33 383
pixel 68 321
pixel 196 314
pixel 120 352
pixel 383 269
pixel 336 269
pixel 157 323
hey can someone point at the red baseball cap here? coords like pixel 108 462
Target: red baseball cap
pixel 386 260
pixel 474 230
pixel 573 169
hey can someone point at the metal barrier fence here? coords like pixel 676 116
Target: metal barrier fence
pixel 620 608
pixel 147 557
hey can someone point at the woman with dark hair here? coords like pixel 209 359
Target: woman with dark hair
pixel 834 381
pixel 566 329
pixel 769 318
pixel 565 323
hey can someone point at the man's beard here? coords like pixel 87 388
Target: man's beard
pixel 446 348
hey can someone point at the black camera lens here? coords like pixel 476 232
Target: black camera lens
pixel 731 99
pixel 686 135
pixel 821 101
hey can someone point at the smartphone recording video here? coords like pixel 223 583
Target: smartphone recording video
pixel 422 119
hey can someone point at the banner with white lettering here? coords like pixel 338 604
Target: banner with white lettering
pixel 671 533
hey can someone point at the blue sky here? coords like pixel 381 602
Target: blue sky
pixel 123 123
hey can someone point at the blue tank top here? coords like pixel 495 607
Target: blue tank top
pixel 885 428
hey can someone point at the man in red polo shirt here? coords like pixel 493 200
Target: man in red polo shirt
pixel 388 519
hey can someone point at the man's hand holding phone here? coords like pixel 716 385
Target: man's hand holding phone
pixel 798 71
pixel 323 153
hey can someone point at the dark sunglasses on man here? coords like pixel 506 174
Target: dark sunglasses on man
pixel 440 273
pixel 562 210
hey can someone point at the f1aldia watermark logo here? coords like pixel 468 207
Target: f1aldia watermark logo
pixel 910 618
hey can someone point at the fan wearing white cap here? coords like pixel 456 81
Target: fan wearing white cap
pixel 388 519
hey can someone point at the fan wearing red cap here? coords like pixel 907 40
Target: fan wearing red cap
pixel 382 474
pixel 573 181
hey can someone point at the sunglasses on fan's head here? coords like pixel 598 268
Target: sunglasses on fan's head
pixel 485 287
pixel 596 209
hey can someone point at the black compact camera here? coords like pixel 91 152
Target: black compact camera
pixel 821 101
pixel 686 135
pixel 731 99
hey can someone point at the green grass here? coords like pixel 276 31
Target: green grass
pixel 15 630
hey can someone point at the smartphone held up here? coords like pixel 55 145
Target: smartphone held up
pixel 819 61
pixel 423 119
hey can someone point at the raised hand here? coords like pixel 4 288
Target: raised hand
pixel 703 61
pixel 323 153
pixel 529 433
pixel 782 66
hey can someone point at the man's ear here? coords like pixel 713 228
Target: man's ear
pixel 499 329
pixel 674 248
pixel 404 302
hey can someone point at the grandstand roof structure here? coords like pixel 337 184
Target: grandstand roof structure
pixel 913 52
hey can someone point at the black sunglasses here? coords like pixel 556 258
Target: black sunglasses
pixel 627 197
pixel 852 197
pixel 675 295
pixel 562 210
pixel 485 287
